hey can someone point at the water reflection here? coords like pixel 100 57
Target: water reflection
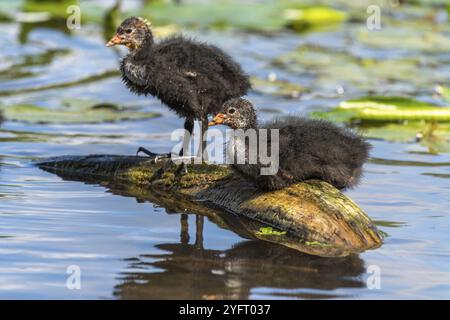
pixel 56 24
pixel 174 202
pixel 31 64
pixel 189 271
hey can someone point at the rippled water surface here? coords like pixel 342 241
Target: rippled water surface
pixel 127 248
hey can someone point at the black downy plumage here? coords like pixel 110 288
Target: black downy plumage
pixel 193 79
pixel 308 149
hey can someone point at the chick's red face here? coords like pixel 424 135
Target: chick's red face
pixel 229 117
pixel 131 33
pixel 123 36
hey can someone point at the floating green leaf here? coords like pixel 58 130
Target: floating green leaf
pixel 396 119
pixel 219 14
pixel 260 16
pixel 385 109
pixel 73 111
pixel 22 68
pixel 332 67
pixel 404 38
pixel 276 87
pixel 308 18
pixel 88 79
pixel 432 135
pixel 56 9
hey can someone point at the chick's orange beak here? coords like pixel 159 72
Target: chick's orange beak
pixel 115 41
pixel 218 119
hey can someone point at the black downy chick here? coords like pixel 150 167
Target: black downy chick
pixel 308 149
pixel 192 78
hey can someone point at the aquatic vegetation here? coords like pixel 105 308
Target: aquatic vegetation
pixel 396 119
pixel 385 109
pixel 55 10
pixel 276 87
pixel 269 231
pixel 432 135
pixel 26 67
pixel 330 67
pixel 303 19
pixel 403 38
pixel 261 16
pixel 85 80
pixel 73 111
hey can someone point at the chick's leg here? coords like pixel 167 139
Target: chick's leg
pixel 182 168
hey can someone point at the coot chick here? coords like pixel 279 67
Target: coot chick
pixel 192 78
pixel 308 149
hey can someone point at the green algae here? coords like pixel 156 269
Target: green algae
pixel 269 231
pixel 73 111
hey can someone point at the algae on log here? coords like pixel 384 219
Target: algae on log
pixel 313 216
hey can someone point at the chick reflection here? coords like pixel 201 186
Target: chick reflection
pixel 191 272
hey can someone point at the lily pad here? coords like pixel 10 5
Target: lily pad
pixel 336 67
pixel 88 79
pixel 396 119
pixel 25 67
pixel 275 87
pixel 219 14
pixel 311 18
pixel 385 109
pixel 257 16
pixel 405 38
pixel 55 9
pixel 432 135
pixel 74 111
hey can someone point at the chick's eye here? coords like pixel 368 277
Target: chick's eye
pixel 231 111
pixel 129 31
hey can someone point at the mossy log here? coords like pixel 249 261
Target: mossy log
pixel 312 216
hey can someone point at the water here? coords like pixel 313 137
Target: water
pixel 127 248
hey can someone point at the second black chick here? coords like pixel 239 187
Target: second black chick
pixel 308 149
pixel 192 78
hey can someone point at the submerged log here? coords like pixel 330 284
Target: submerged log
pixel 312 216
